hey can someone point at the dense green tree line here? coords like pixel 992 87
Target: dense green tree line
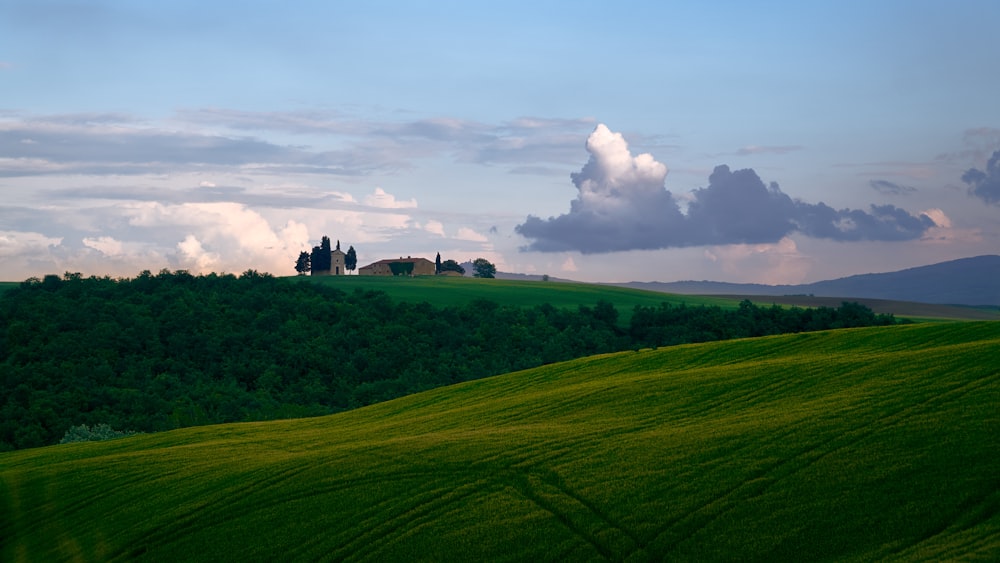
pixel 678 324
pixel 169 350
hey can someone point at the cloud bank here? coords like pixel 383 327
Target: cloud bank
pixel 218 140
pixel 623 205
pixel 985 184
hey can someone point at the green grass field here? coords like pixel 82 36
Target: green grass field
pixel 447 290
pixel 848 445
pixel 460 291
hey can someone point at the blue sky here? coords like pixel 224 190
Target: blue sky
pixel 771 142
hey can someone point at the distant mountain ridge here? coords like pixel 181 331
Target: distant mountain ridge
pixel 967 281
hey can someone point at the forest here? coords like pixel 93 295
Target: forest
pixel 168 350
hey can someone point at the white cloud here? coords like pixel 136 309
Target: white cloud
pixel 239 237
pixel 939 218
pixel 15 243
pixel 105 245
pixel 613 172
pixel 569 265
pixel 468 234
pixel 384 200
pixel 943 233
pixel 193 256
pixel 434 227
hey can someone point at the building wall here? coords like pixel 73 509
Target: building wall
pixel 337 259
pixel 421 267
pixel 376 269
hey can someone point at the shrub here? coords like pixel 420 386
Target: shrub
pixel 96 433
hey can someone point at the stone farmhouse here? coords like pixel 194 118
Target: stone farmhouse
pixel 420 267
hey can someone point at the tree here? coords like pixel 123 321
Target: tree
pixel 303 264
pixel 483 268
pixel 321 259
pixel 452 266
pixel 437 264
pixel 351 260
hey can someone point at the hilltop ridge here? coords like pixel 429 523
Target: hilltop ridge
pixel 971 281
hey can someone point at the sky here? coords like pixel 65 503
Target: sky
pixel 757 142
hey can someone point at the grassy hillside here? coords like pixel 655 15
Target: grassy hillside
pixel 447 290
pixel 849 445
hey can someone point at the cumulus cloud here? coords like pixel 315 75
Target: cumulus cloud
pixel 944 233
pixel 105 245
pixel 985 184
pixel 939 218
pixel 381 199
pixel 434 227
pixel 468 234
pixel 195 258
pixel 20 243
pixel 223 236
pixel 623 204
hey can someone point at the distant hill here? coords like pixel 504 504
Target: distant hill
pixel 967 281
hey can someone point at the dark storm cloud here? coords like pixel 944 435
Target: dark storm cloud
pixel 622 205
pixel 736 207
pixel 890 188
pixel 985 184
pixel 884 222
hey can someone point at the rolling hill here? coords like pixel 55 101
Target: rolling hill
pixel 967 281
pixel 523 292
pixel 846 445
pixel 449 291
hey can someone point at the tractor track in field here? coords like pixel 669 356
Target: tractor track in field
pixel 759 482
